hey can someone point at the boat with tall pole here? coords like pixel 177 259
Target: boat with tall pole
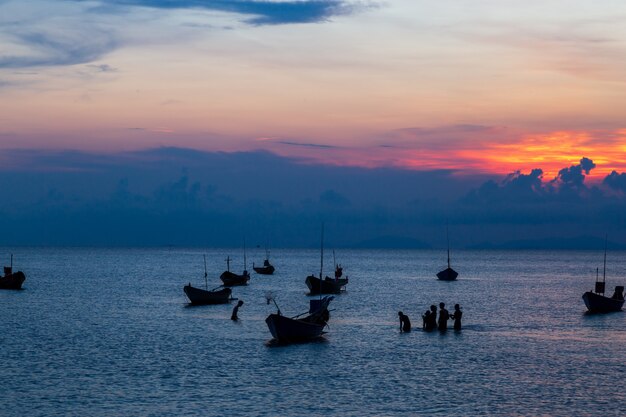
pixel 230 279
pixel 303 327
pixel 12 280
pixel 267 268
pixel 198 296
pixel 326 285
pixel 447 274
pixel 596 301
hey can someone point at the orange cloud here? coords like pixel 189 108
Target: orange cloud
pixel 473 154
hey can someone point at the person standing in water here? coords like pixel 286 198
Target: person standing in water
pixel 236 310
pixel 444 316
pixel 456 316
pixel 405 323
pixel 432 319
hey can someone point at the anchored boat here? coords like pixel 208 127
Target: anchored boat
pixel 597 302
pixel 12 280
pixel 199 296
pixel 298 328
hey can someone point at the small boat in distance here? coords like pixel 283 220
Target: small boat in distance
pixel 12 280
pixel 447 274
pixel 297 328
pixel 198 296
pixel 267 268
pixel 326 285
pixel 597 302
pixel 230 279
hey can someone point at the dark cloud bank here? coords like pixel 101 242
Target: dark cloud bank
pixel 172 196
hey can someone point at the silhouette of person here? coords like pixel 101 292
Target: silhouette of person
pixel 405 323
pixel 236 310
pixel 432 319
pixel 426 320
pixel 444 316
pixel 456 316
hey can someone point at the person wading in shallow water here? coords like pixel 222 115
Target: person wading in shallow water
pixel 236 310
pixel 444 316
pixel 405 323
pixel 456 316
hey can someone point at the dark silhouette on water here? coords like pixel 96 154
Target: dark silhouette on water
pixel 198 296
pixel 456 316
pixel 597 302
pixel 230 279
pixel 236 310
pixel 405 323
pixel 447 274
pixel 327 285
pixel 429 319
pixel 297 328
pixel 444 316
pixel 267 268
pixel 12 280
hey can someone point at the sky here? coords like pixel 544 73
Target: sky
pixel 386 118
pixel 486 86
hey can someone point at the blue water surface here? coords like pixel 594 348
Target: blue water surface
pixel 100 332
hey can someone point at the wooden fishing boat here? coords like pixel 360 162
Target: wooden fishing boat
pixel 198 296
pixel 295 329
pixel 597 302
pixel 266 269
pixel 12 280
pixel 447 274
pixel 326 285
pixel 230 279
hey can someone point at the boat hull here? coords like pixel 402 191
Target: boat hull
pixel 325 286
pixel 264 270
pixel 600 304
pixel 230 279
pixel 12 281
pixel 447 274
pixel 285 329
pixel 199 296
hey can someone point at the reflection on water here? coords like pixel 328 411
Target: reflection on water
pixel 101 332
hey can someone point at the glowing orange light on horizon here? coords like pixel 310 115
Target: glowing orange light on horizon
pixel 550 152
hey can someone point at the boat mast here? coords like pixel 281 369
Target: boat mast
pixel 448 240
pixel 228 263
pixel 322 253
pixel 206 281
pixel 604 269
pixel 245 263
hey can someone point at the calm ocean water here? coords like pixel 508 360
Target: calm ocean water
pixel 108 332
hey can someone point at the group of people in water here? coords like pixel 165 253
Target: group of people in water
pixel 430 321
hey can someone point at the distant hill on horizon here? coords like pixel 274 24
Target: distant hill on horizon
pixel 554 243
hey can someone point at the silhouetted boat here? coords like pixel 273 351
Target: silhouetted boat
pixel 230 279
pixel 597 302
pixel 267 268
pixel 12 280
pixel 295 329
pixel 447 274
pixel 198 296
pixel 326 285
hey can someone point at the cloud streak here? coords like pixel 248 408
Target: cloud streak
pixel 260 12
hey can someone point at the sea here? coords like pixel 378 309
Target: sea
pixel 109 332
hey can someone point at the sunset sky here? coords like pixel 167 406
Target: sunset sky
pixel 484 86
